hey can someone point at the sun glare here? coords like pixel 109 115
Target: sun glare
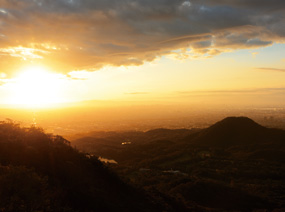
pixel 36 87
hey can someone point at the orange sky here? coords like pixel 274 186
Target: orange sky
pixel 179 51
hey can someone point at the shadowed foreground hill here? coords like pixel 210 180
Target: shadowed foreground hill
pixel 42 172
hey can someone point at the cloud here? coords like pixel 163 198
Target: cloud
pixel 254 54
pixel 88 34
pixel 232 92
pixel 137 93
pixel 272 69
pixel 256 4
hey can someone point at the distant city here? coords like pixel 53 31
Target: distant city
pixel 68 123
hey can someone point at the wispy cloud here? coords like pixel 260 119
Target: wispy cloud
pixel 137 93
pixel 232 92
pixel 254 54
pixel 272 69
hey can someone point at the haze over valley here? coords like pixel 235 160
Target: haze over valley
pixel 136 105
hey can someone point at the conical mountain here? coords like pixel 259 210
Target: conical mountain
pixel 233 131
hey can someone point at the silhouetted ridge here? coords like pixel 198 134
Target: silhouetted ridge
pixel 42 172
pixel 241 122
pixel 233 131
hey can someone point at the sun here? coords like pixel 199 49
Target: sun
pixel 35 86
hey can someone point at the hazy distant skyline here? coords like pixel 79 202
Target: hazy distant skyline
pixel 216 51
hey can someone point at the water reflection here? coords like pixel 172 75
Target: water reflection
pixel 105 160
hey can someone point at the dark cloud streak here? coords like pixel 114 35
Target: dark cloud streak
pixel 272 69
pixel 232 92
pixel 137 93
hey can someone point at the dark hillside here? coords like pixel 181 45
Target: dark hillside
pixel 42 172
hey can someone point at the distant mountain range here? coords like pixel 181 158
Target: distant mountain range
pixel 230 132
pixel 233 165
